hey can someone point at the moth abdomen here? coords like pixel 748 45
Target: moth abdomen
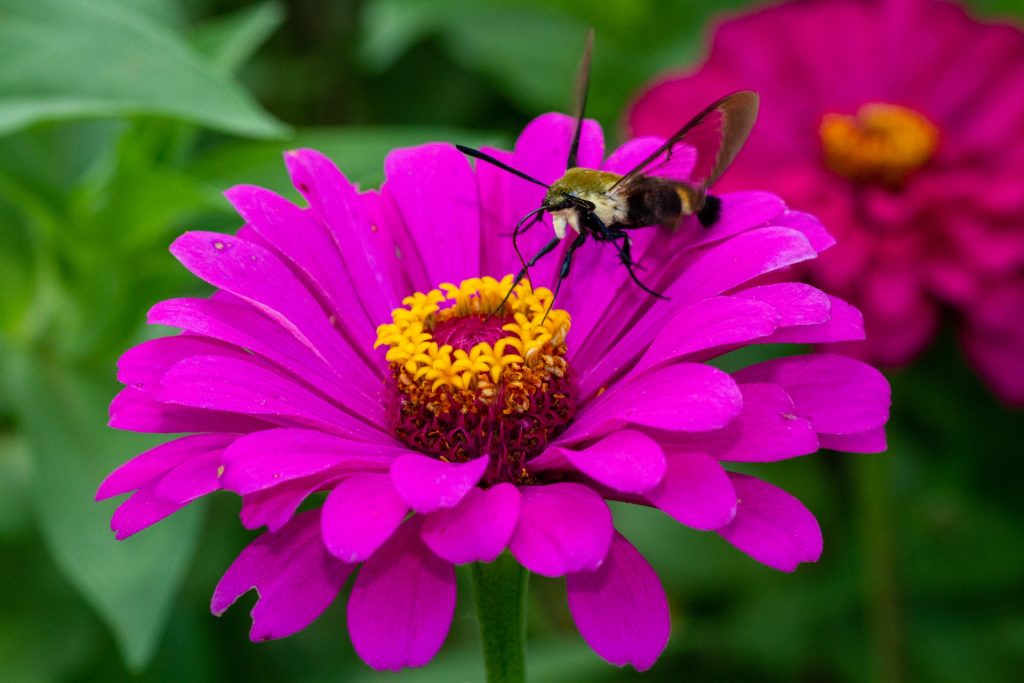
pixel 652 201
pixel 710 212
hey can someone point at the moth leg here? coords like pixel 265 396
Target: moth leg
pixel 627 261
pixel 625 251
pixel 609 235
pixel 546 249
pixel 603 231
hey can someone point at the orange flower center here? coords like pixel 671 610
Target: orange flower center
pixel 882 143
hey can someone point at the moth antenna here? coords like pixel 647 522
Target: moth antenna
pixel 582 87
pixel 477 154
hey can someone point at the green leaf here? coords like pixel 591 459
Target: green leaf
pixel 358 152
pixel 168 12
pixel 531 48
pixel 46 633
pixel 130 584
pixel 232 39
pixel 998 8
pixel 14 474
pixel 73 58
pixel 486 36
pixel 16 291
pixel 391 28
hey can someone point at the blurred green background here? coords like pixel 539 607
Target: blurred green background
pixel 122 121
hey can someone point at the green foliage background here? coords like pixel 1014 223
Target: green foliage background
pixel 121 121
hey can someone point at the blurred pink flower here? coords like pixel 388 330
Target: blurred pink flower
pixel 900 124
pixel 463 435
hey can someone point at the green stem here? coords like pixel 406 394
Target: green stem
pixel 500 592
pixel 879 568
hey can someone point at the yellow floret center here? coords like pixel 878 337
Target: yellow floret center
pixel 882 143
pixel 531 330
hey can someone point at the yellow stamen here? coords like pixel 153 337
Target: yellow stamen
pixel 531 350
pixel 883 143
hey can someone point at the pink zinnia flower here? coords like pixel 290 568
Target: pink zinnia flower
pixel 900 124
pixel 334 358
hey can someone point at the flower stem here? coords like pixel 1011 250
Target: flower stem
pixel 879 568
pixel 500 592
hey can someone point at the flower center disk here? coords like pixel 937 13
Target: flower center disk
pixel 477 377
pixel 882 143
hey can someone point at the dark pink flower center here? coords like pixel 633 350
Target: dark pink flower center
pixel 468 383
pixel 465 333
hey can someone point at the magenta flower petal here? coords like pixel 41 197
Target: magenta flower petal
pixel 427 484
pixel 812 228
pixel 368 259
pixel 274 507
pixel 136 411
pixel 632 152
pixel 687 397
pixel 191 480
pixel 772 526
pixel 870 441
pixel 142 367
pixel 243 326
pixel 141 510
pixel 254 274
pixel 158 461
pixel 767 429
pixel 440 192
pixel 997 356
pixel 257 276
pixel 678 166
pixel 493 187
pixel 714 322
pixel 620 608
pixel 695 491
pixel 845 323
pixel 274 456
pixel 297 236
pixel 742 211
pixel 717 269
pixel 402 603
pixel 360 514
pixel 626 460
pixel 798 304
pixel 741 259
pixel 604 303
pixel 596 281
pixel 563 528
pixel 243 386
pixel 293 575
pixel 837 394
pixel 478 529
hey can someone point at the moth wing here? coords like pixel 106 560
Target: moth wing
pixel 676 164
pixel 705 147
